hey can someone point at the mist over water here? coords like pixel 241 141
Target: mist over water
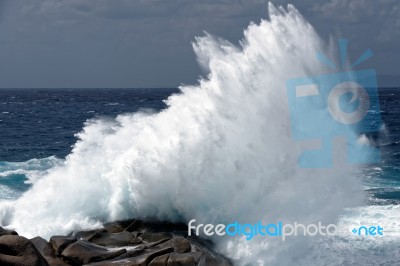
pixel 221 152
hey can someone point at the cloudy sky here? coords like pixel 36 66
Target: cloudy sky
pixel 147 43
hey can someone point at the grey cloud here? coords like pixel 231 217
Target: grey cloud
pixel 146 43
pixel 366 23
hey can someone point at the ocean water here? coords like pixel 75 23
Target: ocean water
pixel 38 126
pixel 218 152
pixel 383 180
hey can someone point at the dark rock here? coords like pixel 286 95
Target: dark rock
pixel 19 251
pixel 164 226
pixel 114 227
pixel 134 226
pixel 123 223
pixel 160 260
pixel 4 232
pixel 136 241
pixel 186 259
pixel 42 246
pixel 156 226
pixel 159 244
pixel 112 239
pixel 141 260
pixel 59 243
pixel 147 243
pixel 87 234
pixel 154 237
pixel 181 245
pixel 47 251
pixel 84 252
pixel 131 253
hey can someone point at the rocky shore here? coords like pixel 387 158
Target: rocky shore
pixel 133 242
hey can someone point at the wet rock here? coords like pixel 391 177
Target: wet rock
pixel 134 225
pixel 181 245
pixel 47 251
pixel 132 242
pixel 156 226
pixel 84 252
pixel 136 241
pixel 159 244
pixel 186 259
pixel 59 243
pixel 87 234
pixel 4 232
pixel 160 260
pixel 154 237
pixel 19 251
pixel 141 260
pixel 42 246
pixel 112 239
pixel 131 253
pixel 115 227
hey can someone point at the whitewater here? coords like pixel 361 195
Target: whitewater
pixel 222 151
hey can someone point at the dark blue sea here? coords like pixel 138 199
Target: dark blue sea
pixel 38 128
